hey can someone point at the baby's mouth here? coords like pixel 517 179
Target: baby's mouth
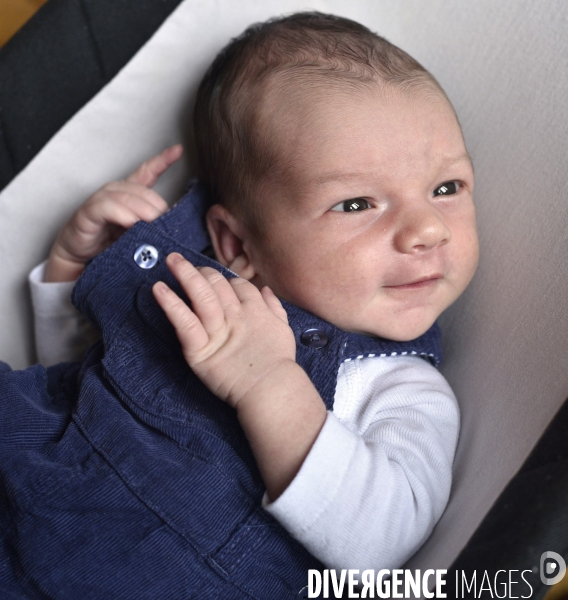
pixel 416 284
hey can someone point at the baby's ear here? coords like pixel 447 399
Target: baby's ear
pixel 227 236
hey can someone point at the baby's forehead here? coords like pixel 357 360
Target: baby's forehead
pixel 288 103
pixel 292 109
pixel 285 94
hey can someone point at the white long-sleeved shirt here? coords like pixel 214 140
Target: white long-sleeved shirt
pixel 378 476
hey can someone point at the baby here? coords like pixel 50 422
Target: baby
pixel 335 178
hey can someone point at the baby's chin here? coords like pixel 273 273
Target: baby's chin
pixel 395 329
pixel 402 334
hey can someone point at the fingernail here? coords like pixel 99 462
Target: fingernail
pixel 161 288
pixel 176 257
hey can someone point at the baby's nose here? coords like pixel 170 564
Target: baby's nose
pixel 421 228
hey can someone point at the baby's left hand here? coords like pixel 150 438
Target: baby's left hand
pixel 233 336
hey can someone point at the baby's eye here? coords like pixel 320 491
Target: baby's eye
pixel 353 205
pixel 447 189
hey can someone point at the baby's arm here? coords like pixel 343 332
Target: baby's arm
pixel 238 342
pixel 61 332
pixel 378 477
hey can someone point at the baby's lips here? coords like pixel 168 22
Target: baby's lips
pixel 413 281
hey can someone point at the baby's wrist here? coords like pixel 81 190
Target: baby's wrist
pixel 60 269
pixel 280 391
pixel 281 376
pixel 281 417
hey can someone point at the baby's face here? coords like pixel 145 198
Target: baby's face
pixel 372 225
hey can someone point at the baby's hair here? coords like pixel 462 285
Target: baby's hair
pixel 309 47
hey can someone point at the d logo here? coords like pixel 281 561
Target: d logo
pixel 552 568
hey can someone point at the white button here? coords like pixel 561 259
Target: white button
pixel 146 256
pixel 314 338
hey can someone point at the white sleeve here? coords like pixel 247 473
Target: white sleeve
pixel 378 476
pixel 61 332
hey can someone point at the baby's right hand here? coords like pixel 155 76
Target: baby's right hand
pixel 110 211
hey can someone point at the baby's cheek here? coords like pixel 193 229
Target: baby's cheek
pixel 318 271
pixel 467 255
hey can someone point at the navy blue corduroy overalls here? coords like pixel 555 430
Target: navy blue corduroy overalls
pixel 123 476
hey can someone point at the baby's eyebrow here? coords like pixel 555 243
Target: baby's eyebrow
pixel 339 176
pixel 444 162
pixel 449 161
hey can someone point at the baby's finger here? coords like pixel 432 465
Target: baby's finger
pixel 149 171
pixel 245 290
pixel 222 287
pixel 118 209
pixel 204 299
pixel 273 303
pixel 189 329
pixel 138 191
